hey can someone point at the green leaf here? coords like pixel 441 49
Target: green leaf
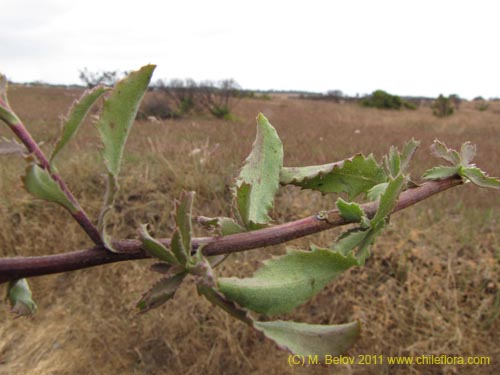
pixel 352 239
pixel 350 211
pixel 352 176
pixel 311 339
pixel 39 183
pixel 161 292
pixel 375 192
pixel 440 173
pixel 183 218
pixel 218 299
pixel 155 248
pixel 467 153
pixel 388 201
pixel 258 181
pixel 393 161
pixel 6 113
pixel 77 114
pixel 440 150
pixel 409 150
pixel 20 298
pixel 177 247
pixel 118 115
pixel 226 225
pixel 479 178
pixel 287 281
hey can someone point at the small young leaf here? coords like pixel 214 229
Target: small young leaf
pixel 177 246
pixel 77 114
pixel 118 115
pixel 375 192
pixel 39 183
pixel 479 178
pixel 393 162
pixel 226 225
pixel 20 298
pixel 184 209
pixel 388 201
pixel 160 293
pixel 440 173
pixel 352 176
pixel 311 339
pixel 155 248
pixel 440 150
pixel 350 211
pixel 351 239
pixel 407 154
pixel 286 282
pixel 467 153
pixel 258 181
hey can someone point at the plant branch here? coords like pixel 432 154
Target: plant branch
pixel 24 136
pixel 19 267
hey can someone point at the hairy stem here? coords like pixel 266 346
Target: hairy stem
pixel 25 137
pixel 19 267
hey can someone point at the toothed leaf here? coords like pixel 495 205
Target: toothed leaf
pixel 183 215
pixel 155 248
pixel 286 282
pixel 177 247
pixel 353 176
pixel 350 211
pixel 226 225
pixel 20 298
pixel 479 178
pixel 467 153
pixel 393 161
pixel 440 150
pixel 160 293
pixel 311 339
pixel 118 115
pixel 407 154
pixel 39 183
pixel 388 201
pixel 351 239
pixel 375 192
pixel 258 181
pixel 440 173
pixel 77 114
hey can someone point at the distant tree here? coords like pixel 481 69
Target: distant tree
pixel 443 106
pixel 456 100
pixel 181 92
pixel 383 100
pixel 219 98
pixel 105 78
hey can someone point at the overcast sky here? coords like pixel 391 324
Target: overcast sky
pixel 404 47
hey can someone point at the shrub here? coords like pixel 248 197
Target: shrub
pixel 443 106
pixel 383 100
pixel 156 105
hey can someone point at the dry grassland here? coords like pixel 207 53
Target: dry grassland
pixel 432 285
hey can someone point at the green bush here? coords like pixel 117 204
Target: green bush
pixel 383 100
pixel 443 106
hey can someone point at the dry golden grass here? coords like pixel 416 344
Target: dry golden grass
pixel 432 285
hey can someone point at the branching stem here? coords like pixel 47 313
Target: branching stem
pixel 25 137
pixel 19 267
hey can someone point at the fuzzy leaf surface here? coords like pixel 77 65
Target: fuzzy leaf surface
pixel 440 150
pixel 183 218
pixel 161 292
pixel 258 180
pixel 352 176
pixel 479 178
pixel 440 173
pixel 467 153
pixel 409 150
pixel 286 282
pixel 376 192
pixel 226 225
pixel 388 201
pixel 39 183
pixel 350 211
pixel 155 248
pixel 311 339
pixel 118 115
pixel 20 298
pixel 77 114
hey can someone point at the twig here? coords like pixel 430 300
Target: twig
pixel 19 267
